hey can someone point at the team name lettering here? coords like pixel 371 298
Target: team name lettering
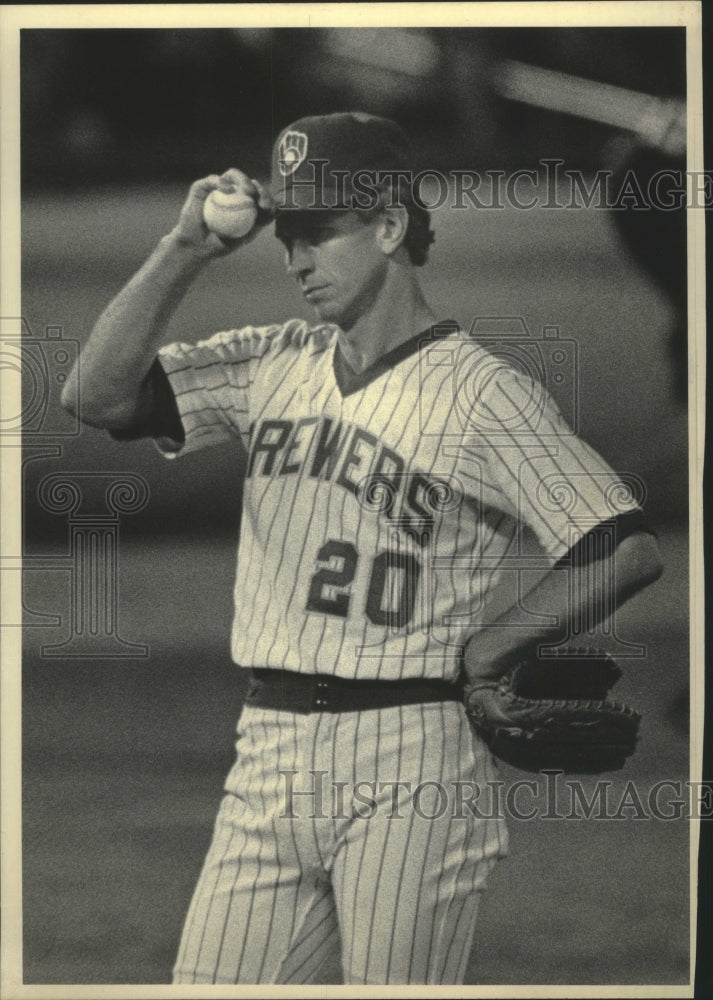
pixel 296 444
pixel 328 449
pixel 353 458
pixel 361 449
pixel 270 438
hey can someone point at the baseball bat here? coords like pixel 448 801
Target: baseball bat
pixel 657 121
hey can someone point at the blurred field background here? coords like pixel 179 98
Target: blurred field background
pixel 124 758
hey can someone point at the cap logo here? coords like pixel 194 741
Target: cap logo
pixel 293 150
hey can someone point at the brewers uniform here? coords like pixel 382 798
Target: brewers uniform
pixel 378 512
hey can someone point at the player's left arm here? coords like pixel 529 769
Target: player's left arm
pixel 633 565
pixel 552 481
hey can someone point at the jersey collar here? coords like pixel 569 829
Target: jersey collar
pixel 350 382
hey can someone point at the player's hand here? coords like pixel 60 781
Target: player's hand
pixel 191 229
pixel 482 663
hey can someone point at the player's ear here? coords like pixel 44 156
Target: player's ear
pixel 391 230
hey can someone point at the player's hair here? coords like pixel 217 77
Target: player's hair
pixel 419 235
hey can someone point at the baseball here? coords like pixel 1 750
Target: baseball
pixel 230 214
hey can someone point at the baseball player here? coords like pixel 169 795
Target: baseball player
pixel 389 465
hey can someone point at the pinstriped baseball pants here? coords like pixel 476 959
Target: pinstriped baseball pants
pixel 347 828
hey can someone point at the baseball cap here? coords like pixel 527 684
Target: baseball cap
pixel 336 161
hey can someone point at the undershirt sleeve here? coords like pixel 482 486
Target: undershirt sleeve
pixel 621 526
pixel 163 419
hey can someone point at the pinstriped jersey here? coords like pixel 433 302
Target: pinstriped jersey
pixel 380 510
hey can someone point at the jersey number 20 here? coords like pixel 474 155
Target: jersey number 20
pixel 397 571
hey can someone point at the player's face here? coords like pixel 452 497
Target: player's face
pixel 336 261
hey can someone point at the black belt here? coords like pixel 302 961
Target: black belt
pixel 304 693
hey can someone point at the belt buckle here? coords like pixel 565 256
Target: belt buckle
pixel 319 693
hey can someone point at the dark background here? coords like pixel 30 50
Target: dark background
pixel 140 104
pixel 124 757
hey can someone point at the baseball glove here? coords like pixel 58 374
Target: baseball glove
pixel 555 714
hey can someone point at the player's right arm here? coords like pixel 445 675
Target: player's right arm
pixel 116 390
